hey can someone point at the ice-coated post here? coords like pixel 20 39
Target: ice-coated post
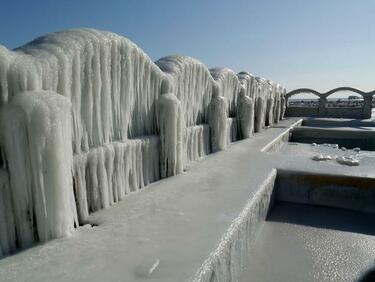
pixel 284 103
pixel 245 114
pixel 269 110
pixel 169 115
pixel 260 113
pixel 217 120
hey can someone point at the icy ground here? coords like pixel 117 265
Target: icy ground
pixel 166 231
pixel 310 243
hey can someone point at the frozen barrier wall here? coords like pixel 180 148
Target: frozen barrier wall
pixel 112 84
pixel 36 134
pixel 111 93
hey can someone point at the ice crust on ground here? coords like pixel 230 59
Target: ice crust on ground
pixel 119 123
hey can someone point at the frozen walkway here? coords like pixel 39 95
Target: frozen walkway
pixel 166 231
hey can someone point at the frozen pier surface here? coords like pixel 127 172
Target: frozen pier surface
pixel 176 229
pixel 309 243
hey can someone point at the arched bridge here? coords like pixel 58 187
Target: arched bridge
pixel 324 110
pixel 330 92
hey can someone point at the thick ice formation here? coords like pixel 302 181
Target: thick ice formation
pixel 229 87
pixel 218 120
pixel 197 142
pixel 37 139
pixel 124 120
pixel 245 114
pixel 7 230
pixel 111 83
pixel 112 171
pixel 192 85
pixel 171 134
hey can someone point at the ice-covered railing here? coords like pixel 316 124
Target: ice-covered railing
pixel 192 84
pixel 92 103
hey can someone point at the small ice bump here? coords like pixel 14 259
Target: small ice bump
pixel 351 161
pixel 343 149
pixel 335 146
pixel 154 266
pixel 314 144
pixel 147 267
pixel 357 149
pixel 321 157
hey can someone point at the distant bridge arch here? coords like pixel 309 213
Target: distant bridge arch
pixel 363 112
pixel 330 92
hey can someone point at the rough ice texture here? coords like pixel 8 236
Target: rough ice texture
pixel 192 84
pixel 171 134
pixel 36 129
pixel 232 132
pixel 248 82
pixel 229 85
pixel 112 171
pixel 111 83
pixel 116 95
pixel 245 114
pixel 197 142
pixel 226 262
pixel 218 122
pixel 7 230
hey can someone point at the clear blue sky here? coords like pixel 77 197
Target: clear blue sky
pixel 299 43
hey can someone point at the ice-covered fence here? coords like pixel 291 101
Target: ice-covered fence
pixel 192 84
pixel 132 121
pixel 112 84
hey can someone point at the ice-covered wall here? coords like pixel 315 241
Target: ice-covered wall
pixel 119 123
pixel 111 83
pixel 36 131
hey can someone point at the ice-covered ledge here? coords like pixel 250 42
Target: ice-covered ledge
pixel 166 231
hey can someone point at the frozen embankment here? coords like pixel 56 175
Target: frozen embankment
pixel 91 103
